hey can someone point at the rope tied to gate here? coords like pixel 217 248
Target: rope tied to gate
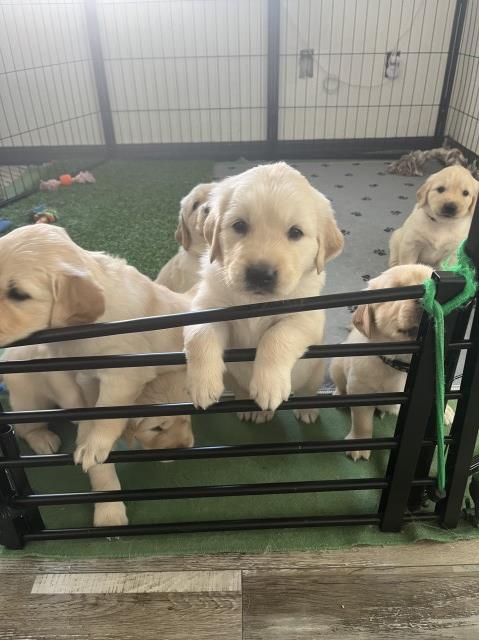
pixel 464 267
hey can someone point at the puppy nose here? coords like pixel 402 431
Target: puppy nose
pixel 449 209
pixel 261 276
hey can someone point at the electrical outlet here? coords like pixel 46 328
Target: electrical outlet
pixel 393 60
pixel 306 63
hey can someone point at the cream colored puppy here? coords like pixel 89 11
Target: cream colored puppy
pixel 182 271
pixel 270 235
pixel 60 389
pixel 380 322
pixel 46 280
pixel 440 220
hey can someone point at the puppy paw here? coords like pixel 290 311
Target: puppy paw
pixel 270 387
pixel 258 417
pixel 357 455
pixel 308 416
pixel 205 387
pixel 109 514
pixel 43 441
pixel 449 414
pixel 94 450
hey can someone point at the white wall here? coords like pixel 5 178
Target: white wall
pixel 350 39
pixel 186 70
pixel 47 94
pixel 195 70
pixel 463 119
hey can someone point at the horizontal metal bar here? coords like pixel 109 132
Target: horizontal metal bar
pixel 474 468
pixel 178 357
pixel 217 452
pixel 215 525
pixel 277 307
pixel 186 408
pixel 175 493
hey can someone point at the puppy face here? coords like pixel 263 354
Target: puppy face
pixel 44 283
pixel 398 320
pixel 450 194
pixel 162 432
pixel 268 228
pixel 194 210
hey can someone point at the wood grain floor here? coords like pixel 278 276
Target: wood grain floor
pixel 426 591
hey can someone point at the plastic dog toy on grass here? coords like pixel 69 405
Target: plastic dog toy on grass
pixel 66 180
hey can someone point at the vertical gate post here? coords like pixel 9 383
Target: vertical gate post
pixel 14 482
pixel 414 415
pixel 101 84
pixel 451 66
pixel 274 21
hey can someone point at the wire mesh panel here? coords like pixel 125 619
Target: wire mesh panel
pixel 186 70
pixel 47 93
pixel 463 118
pixel 362 68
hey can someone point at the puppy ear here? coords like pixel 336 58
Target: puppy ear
pixel 219 203
pixel 182 233
pixel 422 193
pixel 78 299
pixel 363 319
pixel 474 198
pixel 330 238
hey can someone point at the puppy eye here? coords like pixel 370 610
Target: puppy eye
pixel 465 193
pixel 295 233
pixel 241 227
pixel 441 189
pixel 196 204
pixel 206 211
pixel 15 294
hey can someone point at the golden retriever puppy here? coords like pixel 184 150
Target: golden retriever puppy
pixel 380 322
pixel 440 220
pixel 60 389
pixel 270 234
pixel 46 280
pixel 182 271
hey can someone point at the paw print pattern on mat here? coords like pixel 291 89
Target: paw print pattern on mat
pixel 338 186
pixel 396 212
pixel 357 214
pixel 366 277
pixel 365 198
pixel 389 229
pixel 313 175
pixel 345 232
pixel 373 185
pixel 379 252
pixel 403 197
pixel 352 308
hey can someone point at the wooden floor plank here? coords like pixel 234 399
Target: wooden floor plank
pixel 118 616
pixel 302 604
pixel 144 582
pixel 420 554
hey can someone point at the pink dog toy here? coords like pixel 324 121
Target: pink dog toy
pixel 84 177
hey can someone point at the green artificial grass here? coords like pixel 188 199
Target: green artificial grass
pixel 132 212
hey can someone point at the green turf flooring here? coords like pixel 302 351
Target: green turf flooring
pixel 131 211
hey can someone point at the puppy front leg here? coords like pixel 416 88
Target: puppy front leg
pixel 277 352
pixel 103 478
pixel 409 253
pixel 204 346
pixel 361 427
pixel 96 438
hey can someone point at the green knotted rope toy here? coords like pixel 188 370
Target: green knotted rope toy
pixel 465 268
